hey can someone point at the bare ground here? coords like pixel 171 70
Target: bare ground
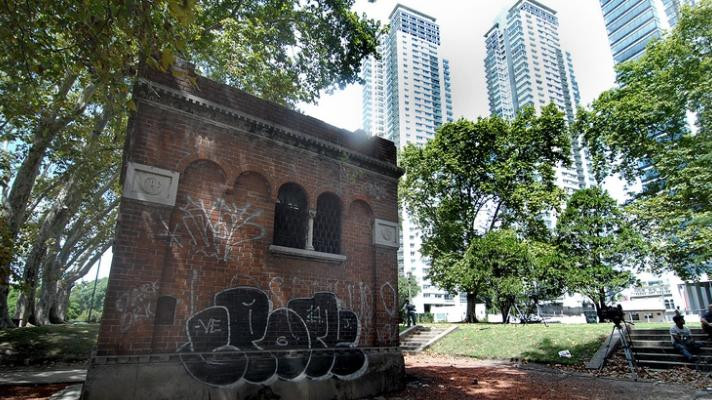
pixel 449 378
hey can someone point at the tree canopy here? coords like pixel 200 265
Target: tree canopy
pixel 645 121
pixel 599 245
pixel 476 177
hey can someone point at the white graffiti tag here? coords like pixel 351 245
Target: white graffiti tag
pixel 136 304
pixel 213 229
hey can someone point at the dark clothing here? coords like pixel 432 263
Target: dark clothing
pixel 706 328
pixel 410 314
pixel 688 349
pixel 411 318
pixel 707 316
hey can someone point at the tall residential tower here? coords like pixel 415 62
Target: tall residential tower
pixel 406 97
pixel 525 66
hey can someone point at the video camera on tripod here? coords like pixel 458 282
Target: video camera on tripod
pixel 613 314
pixel 616 316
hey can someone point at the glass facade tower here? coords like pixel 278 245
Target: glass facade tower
pixel 406 97
pixel 632 24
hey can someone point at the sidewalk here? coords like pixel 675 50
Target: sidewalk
pixel 42 377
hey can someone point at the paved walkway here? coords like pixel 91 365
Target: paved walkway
pixel 43 377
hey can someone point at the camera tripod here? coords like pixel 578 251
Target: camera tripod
pixel 627 348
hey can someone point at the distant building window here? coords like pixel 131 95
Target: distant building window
pixel 290 216
pixel 327 224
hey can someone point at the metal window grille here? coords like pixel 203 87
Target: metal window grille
pixel 327 224
pixel 290 217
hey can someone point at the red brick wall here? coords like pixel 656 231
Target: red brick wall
pixel 232 176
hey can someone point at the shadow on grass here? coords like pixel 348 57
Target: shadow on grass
pixel 546 351
pixel 69 343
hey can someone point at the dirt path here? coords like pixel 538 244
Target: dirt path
pixel 438 378
pixel 446 378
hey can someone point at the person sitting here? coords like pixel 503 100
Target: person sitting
pixel 706 322
pixel 681 339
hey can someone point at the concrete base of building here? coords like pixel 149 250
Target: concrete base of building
pixel 158 377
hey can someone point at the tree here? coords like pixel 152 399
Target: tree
pixel 65 64
pixel 512 271
pixel 81 300
pixel 476 177
pixel 600 246
pixel 644 121
pixel 407 288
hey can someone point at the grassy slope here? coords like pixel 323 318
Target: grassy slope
pixel 47 344
pixel 537 343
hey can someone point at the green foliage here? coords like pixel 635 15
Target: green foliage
pixel 512 271
pixel 80 300
pixel 12 299
pixel 407 288
pixel 283 51
pixel 492 173
pixel 645 120
pixel 426 318
pixel 599 244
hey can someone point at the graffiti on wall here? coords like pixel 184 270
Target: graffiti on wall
pixel 212 229
pixel 240 338
pixel 389 299
pixel 136 304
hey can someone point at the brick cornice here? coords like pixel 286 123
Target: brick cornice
pixel 226 117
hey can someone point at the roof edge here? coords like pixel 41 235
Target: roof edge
pixel 414 11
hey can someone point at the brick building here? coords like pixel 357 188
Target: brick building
pixel 255 251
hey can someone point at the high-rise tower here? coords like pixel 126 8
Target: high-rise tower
pixel 632 24
pixel 406 97
pixel 525 66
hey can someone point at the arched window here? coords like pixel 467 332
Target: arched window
pixel 290 216
pixel 327 224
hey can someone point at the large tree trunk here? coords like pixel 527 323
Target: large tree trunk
pixel 504 306
pixel 471 314
pixel 51 274
pixel 58 311
pixel 601 303
pixel 5 321
pixel 25 308
pixel 13 211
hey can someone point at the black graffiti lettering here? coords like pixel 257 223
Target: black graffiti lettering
pixel 202 335
pixel 242 338
pixel 348 328
pixel 224 366
pixel 249 309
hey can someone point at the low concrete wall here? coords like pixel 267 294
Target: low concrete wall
pixel 158 377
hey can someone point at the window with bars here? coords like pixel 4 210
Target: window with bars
pixel 290 216
pixel 327 224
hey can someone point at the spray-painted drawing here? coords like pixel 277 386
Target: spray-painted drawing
pixel 214 229
pixel 241 339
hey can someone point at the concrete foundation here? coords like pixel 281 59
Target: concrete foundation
pixel 158 377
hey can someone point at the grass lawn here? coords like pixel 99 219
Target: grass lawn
pixel 534 342
pixel 69 343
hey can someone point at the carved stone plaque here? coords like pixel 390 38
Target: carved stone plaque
pixel 385 233
pixel 147 183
